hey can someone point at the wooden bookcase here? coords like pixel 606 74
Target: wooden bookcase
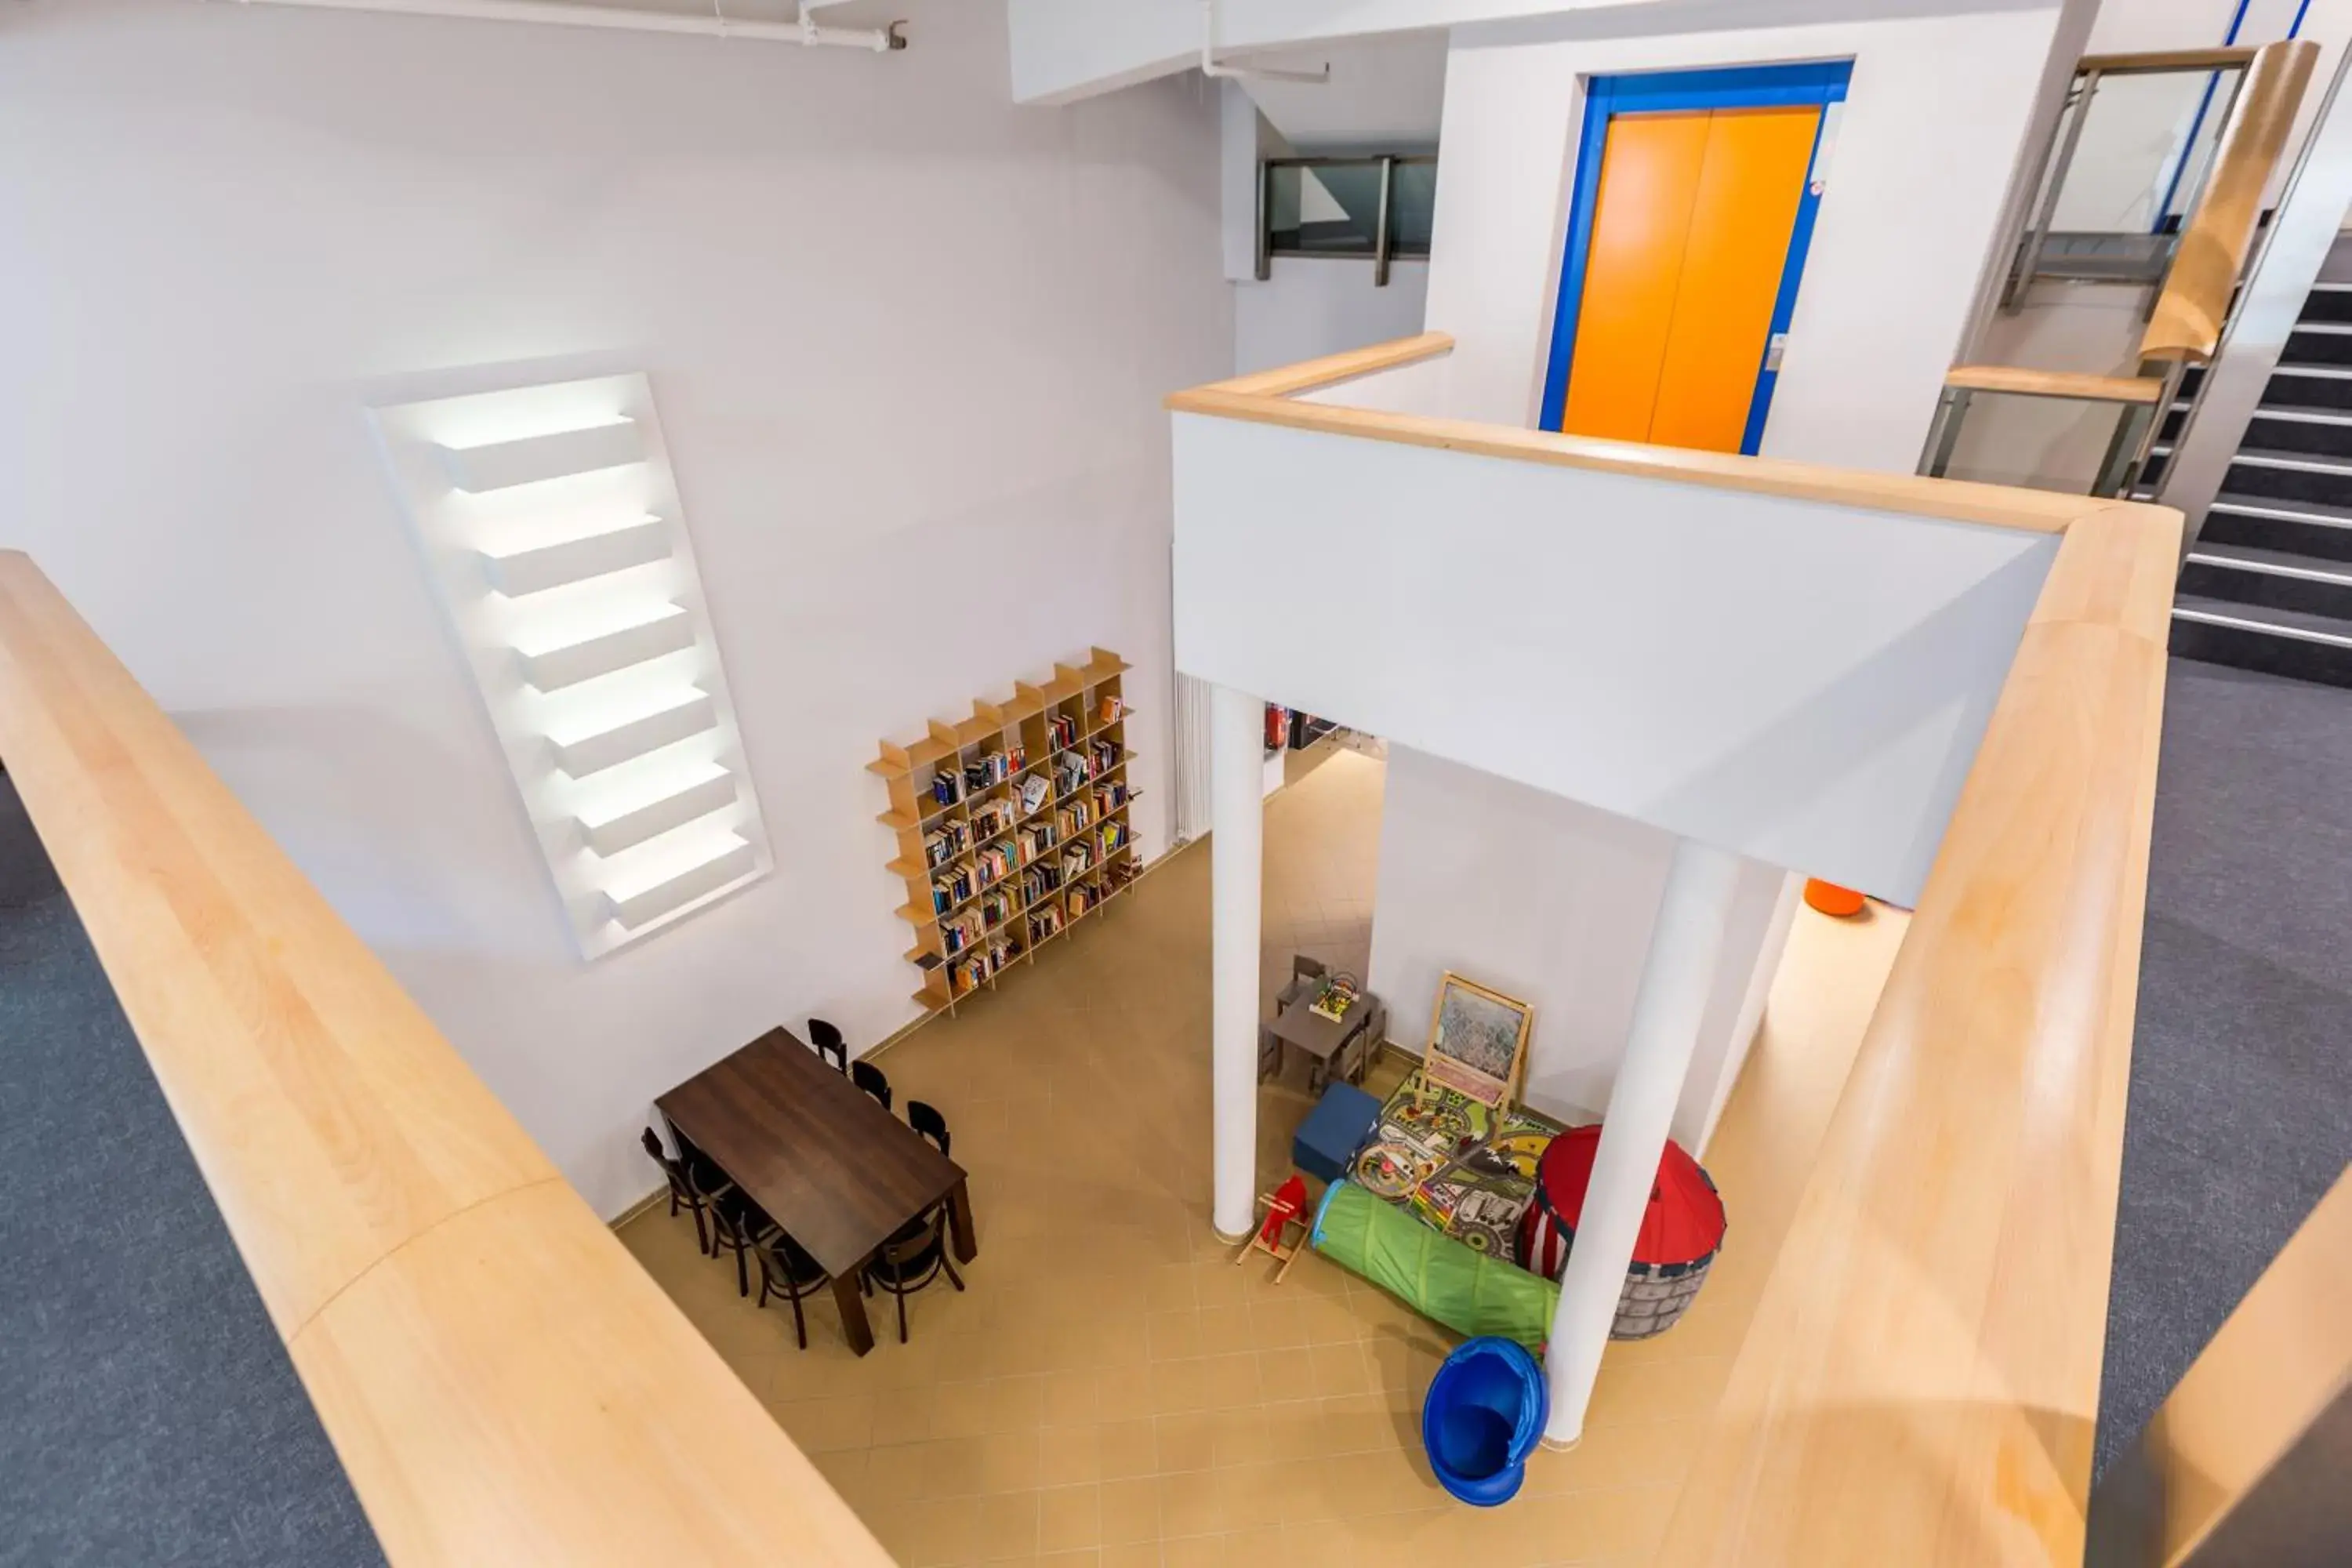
pixel 1033 835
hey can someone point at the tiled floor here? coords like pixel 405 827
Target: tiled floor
pixel 1112 1389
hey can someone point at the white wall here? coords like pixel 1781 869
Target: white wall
pixel 1933 123
pixel 901 331
pixel 1550 901
pixel 1315 305
pixel 1794 681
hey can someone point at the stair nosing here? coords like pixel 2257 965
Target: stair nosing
pixel 2241 507
pixel 2203 557
pixel 2325 329
pixel 2294 462
pixel 2265 628
pixel 2298 414
pixel 2323 371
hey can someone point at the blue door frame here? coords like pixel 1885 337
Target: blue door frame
pixel 1739 87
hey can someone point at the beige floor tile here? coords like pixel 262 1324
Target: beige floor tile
pixel 1068 1518
pixel 1113 1389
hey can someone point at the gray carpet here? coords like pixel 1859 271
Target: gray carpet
pixel 2240 1109
pixel 148 1415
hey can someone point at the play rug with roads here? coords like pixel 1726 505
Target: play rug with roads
pixel 1442 1156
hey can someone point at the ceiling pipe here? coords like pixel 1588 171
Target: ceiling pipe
pixel 1210 67
pixel 803 31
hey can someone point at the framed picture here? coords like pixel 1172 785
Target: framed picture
pixel 1477 1041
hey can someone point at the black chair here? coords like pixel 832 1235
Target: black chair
pixel 681 1188
pixel 738 1225
pixel 927 1120
pixel 829 1043
pixel 869 1077
pixel 787 1271
pixel 912 1260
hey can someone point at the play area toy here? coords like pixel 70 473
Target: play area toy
pixel 1681 1230
pixel 1483 1417
pixel 1437 1277
pixel 1326 1141
pixel 1285 1206
pixel 1477 1042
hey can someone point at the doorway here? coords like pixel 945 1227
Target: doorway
pixel 1688 223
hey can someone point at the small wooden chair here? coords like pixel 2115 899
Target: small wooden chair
pixel 872 1081
pixel 682 1190
pixel 829 1045
pixel 1285 1206
pixel 739 1225
pixel 912 1258
pixel 787 1271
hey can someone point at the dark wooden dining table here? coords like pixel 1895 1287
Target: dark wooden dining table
pixel 820 1157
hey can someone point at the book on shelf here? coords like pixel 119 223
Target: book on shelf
pixel 961 933
pixel 1063 730
pixel 1112 837
pixel 1044 921
pixel 1032 841
pixel 1110 798
pixel 1035 791
pixel 1119 872
pixel 1101 757
pixel 1112 710
pixel 1083 897
pixel 946 788
pixel 993 864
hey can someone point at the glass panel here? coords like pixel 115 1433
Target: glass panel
pixel 2142 152
pixel 1328 209
pixel 1413 201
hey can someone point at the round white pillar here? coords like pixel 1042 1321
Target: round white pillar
pixel 1667 1011
pixel 1236 844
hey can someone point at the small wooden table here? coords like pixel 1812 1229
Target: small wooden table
pixel 821 1156
pixel 1320 1037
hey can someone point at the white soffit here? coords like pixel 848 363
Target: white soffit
pixel 551 532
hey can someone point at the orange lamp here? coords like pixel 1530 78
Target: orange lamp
pixel 1833 900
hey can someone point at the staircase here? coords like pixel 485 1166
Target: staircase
pixel 2268 584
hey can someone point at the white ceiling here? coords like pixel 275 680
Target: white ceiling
pixel 1384 95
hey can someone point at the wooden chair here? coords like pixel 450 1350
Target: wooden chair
pixel 682 1191
pixel 870 1079
pixel 1269 1053
pixel 912 1260
pixel 927 1120
pixel 787 1271
pixel 738 1225
pixel 1354 1058
pixel 829 1043
pixel 1306 977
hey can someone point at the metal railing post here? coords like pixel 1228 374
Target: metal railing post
pixel 1380 244
pixel 2029 261
pixel 1265 219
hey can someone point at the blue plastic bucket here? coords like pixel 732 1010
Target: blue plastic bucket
pixel 1483 1417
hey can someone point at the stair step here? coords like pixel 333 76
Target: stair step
pixel 2294 462
pixel 2261 637
pixel 2297 478
pixel 2256 576
pixel 2312 530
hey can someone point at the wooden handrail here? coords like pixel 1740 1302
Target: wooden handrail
pixel 2187 321
pixel 2226 58
pixel 2025 383
pixel 1919 1383
pixel 501 1382
pixel 1269 397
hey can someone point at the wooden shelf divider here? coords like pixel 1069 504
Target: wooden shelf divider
pixel 948 806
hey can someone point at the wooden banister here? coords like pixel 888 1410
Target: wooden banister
pixel 2187 323
pixel 2027 382
pixel 2141 62
pixel 1919 1383
pixel 500 1380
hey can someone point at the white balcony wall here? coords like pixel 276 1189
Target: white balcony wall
pixel 1803 683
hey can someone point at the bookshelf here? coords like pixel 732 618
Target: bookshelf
pixel 1011 826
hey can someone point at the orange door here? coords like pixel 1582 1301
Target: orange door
pixel 1689 235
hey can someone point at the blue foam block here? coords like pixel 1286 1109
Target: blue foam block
pixel 1338 1126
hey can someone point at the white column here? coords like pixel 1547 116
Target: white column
pixel 1236 841
pixel 1676 979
